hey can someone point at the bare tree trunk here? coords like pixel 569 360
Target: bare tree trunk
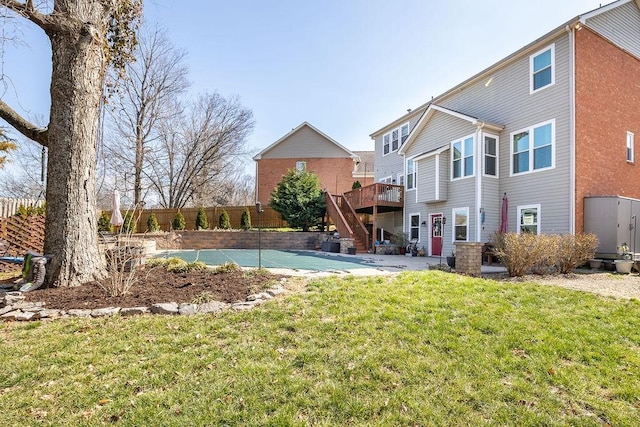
pixel 76 90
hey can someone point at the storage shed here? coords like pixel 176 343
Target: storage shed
pixel 614 220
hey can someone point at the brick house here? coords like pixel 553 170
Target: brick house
pixel 307 148
pixel 549 125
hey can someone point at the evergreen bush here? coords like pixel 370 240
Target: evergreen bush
pixel 152 223
pixel 245 219
pixel 104 224
pixel 224 221
pixel 178 222
pixel 201 220
pixel 128 223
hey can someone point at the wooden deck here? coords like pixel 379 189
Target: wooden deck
pixel 385 197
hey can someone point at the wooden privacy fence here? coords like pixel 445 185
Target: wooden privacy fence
pixel 268 219
pixel 9 207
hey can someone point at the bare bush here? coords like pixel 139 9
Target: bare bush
pixel 573 251
pixel 546 250
pixel 517 252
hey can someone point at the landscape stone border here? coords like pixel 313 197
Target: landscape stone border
pixel 14 308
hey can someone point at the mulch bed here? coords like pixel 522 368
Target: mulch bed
pixel 157 285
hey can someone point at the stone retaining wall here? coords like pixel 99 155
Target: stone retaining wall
pixel 215 239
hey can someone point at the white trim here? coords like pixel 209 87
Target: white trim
pixel 415 174
pixel 572 131
pixel 539 216
pixel 400 179
pixel 453 224
pixel 431 111
pixel 551 47
pixel 428 154
pixel 497 138
pixel 430 240
pixel 390 134
pixel 603 9
pixel 385 178
pixel 630 145
pixel 530 129
pixel 462 152
pixel 409 231
pixel 437 178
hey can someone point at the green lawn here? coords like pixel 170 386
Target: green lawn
pixel 420 348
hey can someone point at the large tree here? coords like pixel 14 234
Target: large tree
pixel 141 100
pixel 195 151
pixel 85 36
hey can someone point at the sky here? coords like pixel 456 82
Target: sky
pixel 348 67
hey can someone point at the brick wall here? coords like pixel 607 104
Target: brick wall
pixel 607 106
pixel 335 174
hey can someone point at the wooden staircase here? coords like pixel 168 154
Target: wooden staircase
pixel 348 222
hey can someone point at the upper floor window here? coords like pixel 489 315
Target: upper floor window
pixel 490 155
pixel 541 66
pixel 393 140
pixel 532 149
pixel 460 224
pixel 411 174
pixel 630 156
pixel 404 133
pixel 301 166
pixel 462 161
pixel 529 219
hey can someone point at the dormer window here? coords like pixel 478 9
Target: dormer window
pixel 541 66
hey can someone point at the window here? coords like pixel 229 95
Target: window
pixel 414 232
pixel 460 224
pixel 400 179
pixel 386 180
pixel 411 174
pixel 532 149
pixel 529 219
pixel 630 147
pixel 301 166
pixel 490 155
pixel 541 67
pixel 393 140
pixel 404 133
pixel 462 158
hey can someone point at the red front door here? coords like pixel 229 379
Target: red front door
pixel 436 235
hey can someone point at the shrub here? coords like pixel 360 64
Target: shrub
pixel 224 222
pixel 152 223
pixel 227 267
pixel 546 250
pixel 356 184
pixel 575 251
pixel 517 252
pixel 128 223
pixel 201 220
pixel 22 211
pixel 178 222
pixel 104 224
pixel 245 219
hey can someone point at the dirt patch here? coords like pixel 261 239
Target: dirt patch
pixel 598 282
pixel 157 285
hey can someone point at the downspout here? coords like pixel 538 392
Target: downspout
pixel 479 145
pixel 572 130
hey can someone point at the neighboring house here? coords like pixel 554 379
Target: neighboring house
pixel 307 148
pixel 547 126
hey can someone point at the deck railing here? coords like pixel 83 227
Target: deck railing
pixel 378 194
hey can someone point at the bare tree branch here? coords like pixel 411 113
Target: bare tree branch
pixel 23 126
pixel 45 21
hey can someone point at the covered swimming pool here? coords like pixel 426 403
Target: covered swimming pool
pixel 271 258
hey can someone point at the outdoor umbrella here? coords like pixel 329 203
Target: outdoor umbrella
pixel 116 216
pixel 504 217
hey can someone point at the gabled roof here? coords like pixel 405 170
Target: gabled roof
pixel 513 57
pixel 310 126
pixel 431 110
